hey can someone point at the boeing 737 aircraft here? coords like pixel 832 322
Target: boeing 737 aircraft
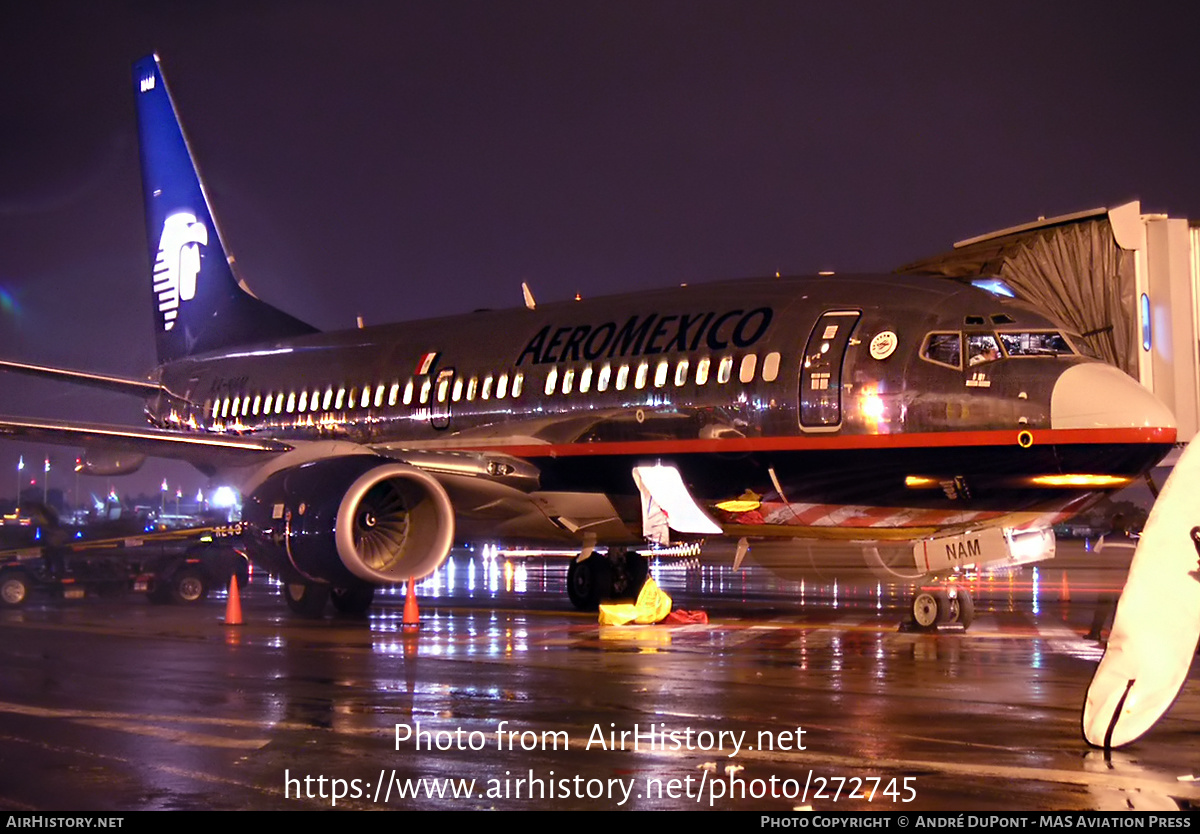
pixel 921 412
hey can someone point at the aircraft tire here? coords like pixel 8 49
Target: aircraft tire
pixel 929 608
pixel 15 587
pixel 965 609
pixel 352 601
pixel 636 570
pixel 187 587
pixel 305 600
pixel 588 582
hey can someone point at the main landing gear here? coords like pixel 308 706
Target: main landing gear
pixel 602 577
pixel 308 600
pixel 934 607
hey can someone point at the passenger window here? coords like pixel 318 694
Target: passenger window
pixel 267 404
pixel 379 395
pixel 443 389
pixel 353 400
pixel 393 393
pixel 702 371
pixel 472 388
pixel 660 373
pixel 568 380
pixel 502 386
pixel 585 379
pixel 279 403
pixel 408 393
pixel 746 374
pixel 602 377
pixel 943 349
pixel 551 380
pixel 681 372
pixel 487 387
pixel 257 403
pixel 770 370
pixel 518 384
pixel 456 394
pixel 426 387
pixel 339 399
pixel 303 402
pixel 622 377
pixel 291 402
pixel 365 402
pixel 725 369
pixel 643 371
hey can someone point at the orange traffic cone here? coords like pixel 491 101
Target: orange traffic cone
pixel 412 617
pixel 233 605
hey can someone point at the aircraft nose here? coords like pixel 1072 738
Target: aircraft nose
pixel 1095 396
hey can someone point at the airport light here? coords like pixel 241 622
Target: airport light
pixel 46 482
pixel 20 466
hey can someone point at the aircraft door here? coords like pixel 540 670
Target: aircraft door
pixel 821 373
pixel 439 404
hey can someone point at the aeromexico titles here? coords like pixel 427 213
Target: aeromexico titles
pixel 866 409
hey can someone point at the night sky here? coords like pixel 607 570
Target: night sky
pixel 398 160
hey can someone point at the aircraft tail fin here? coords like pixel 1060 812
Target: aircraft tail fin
pixel 199 304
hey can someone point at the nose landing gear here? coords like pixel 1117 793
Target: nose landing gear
pixel 934 607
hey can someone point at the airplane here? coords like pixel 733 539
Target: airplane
pixel 929 415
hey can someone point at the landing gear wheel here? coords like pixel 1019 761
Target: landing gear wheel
pixel 352 601
pixel 629 578
pixel 925 610
pixel 14 589
pixel 964 608
pixel 588 582
pixel 306 600
pixel 187 587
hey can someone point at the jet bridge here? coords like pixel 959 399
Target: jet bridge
pixel 1128 282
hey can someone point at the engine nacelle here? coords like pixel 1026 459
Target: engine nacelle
pixel 350 519
pixel 106 464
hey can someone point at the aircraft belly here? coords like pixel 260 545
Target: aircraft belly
pixel 865 494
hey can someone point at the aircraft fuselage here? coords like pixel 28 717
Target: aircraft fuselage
pixel 780 400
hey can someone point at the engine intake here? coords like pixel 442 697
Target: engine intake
pixel 356 517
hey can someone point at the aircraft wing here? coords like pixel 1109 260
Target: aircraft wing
pixel 108 382
pixel 205 451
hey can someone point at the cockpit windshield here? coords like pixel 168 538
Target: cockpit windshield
pixel 947 348
pixel 1039 343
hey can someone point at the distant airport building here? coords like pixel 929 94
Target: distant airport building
pixel 1127 282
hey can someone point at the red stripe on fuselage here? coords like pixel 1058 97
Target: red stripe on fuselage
pixel 930 440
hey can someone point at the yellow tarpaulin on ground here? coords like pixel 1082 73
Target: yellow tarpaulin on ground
pixel 652 606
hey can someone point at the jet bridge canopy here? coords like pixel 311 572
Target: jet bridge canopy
pixel 1128 283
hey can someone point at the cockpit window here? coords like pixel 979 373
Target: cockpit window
pixel 982 347
pixel 1083 346
pixel 943 349
pixel 1045 343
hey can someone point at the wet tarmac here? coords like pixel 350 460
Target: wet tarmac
pixel 791 696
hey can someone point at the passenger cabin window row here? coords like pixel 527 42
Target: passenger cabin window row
pixel 447 387
pixel 659 374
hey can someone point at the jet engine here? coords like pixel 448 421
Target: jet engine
pixel 346 520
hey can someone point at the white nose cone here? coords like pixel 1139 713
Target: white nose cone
pixel 1099 396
